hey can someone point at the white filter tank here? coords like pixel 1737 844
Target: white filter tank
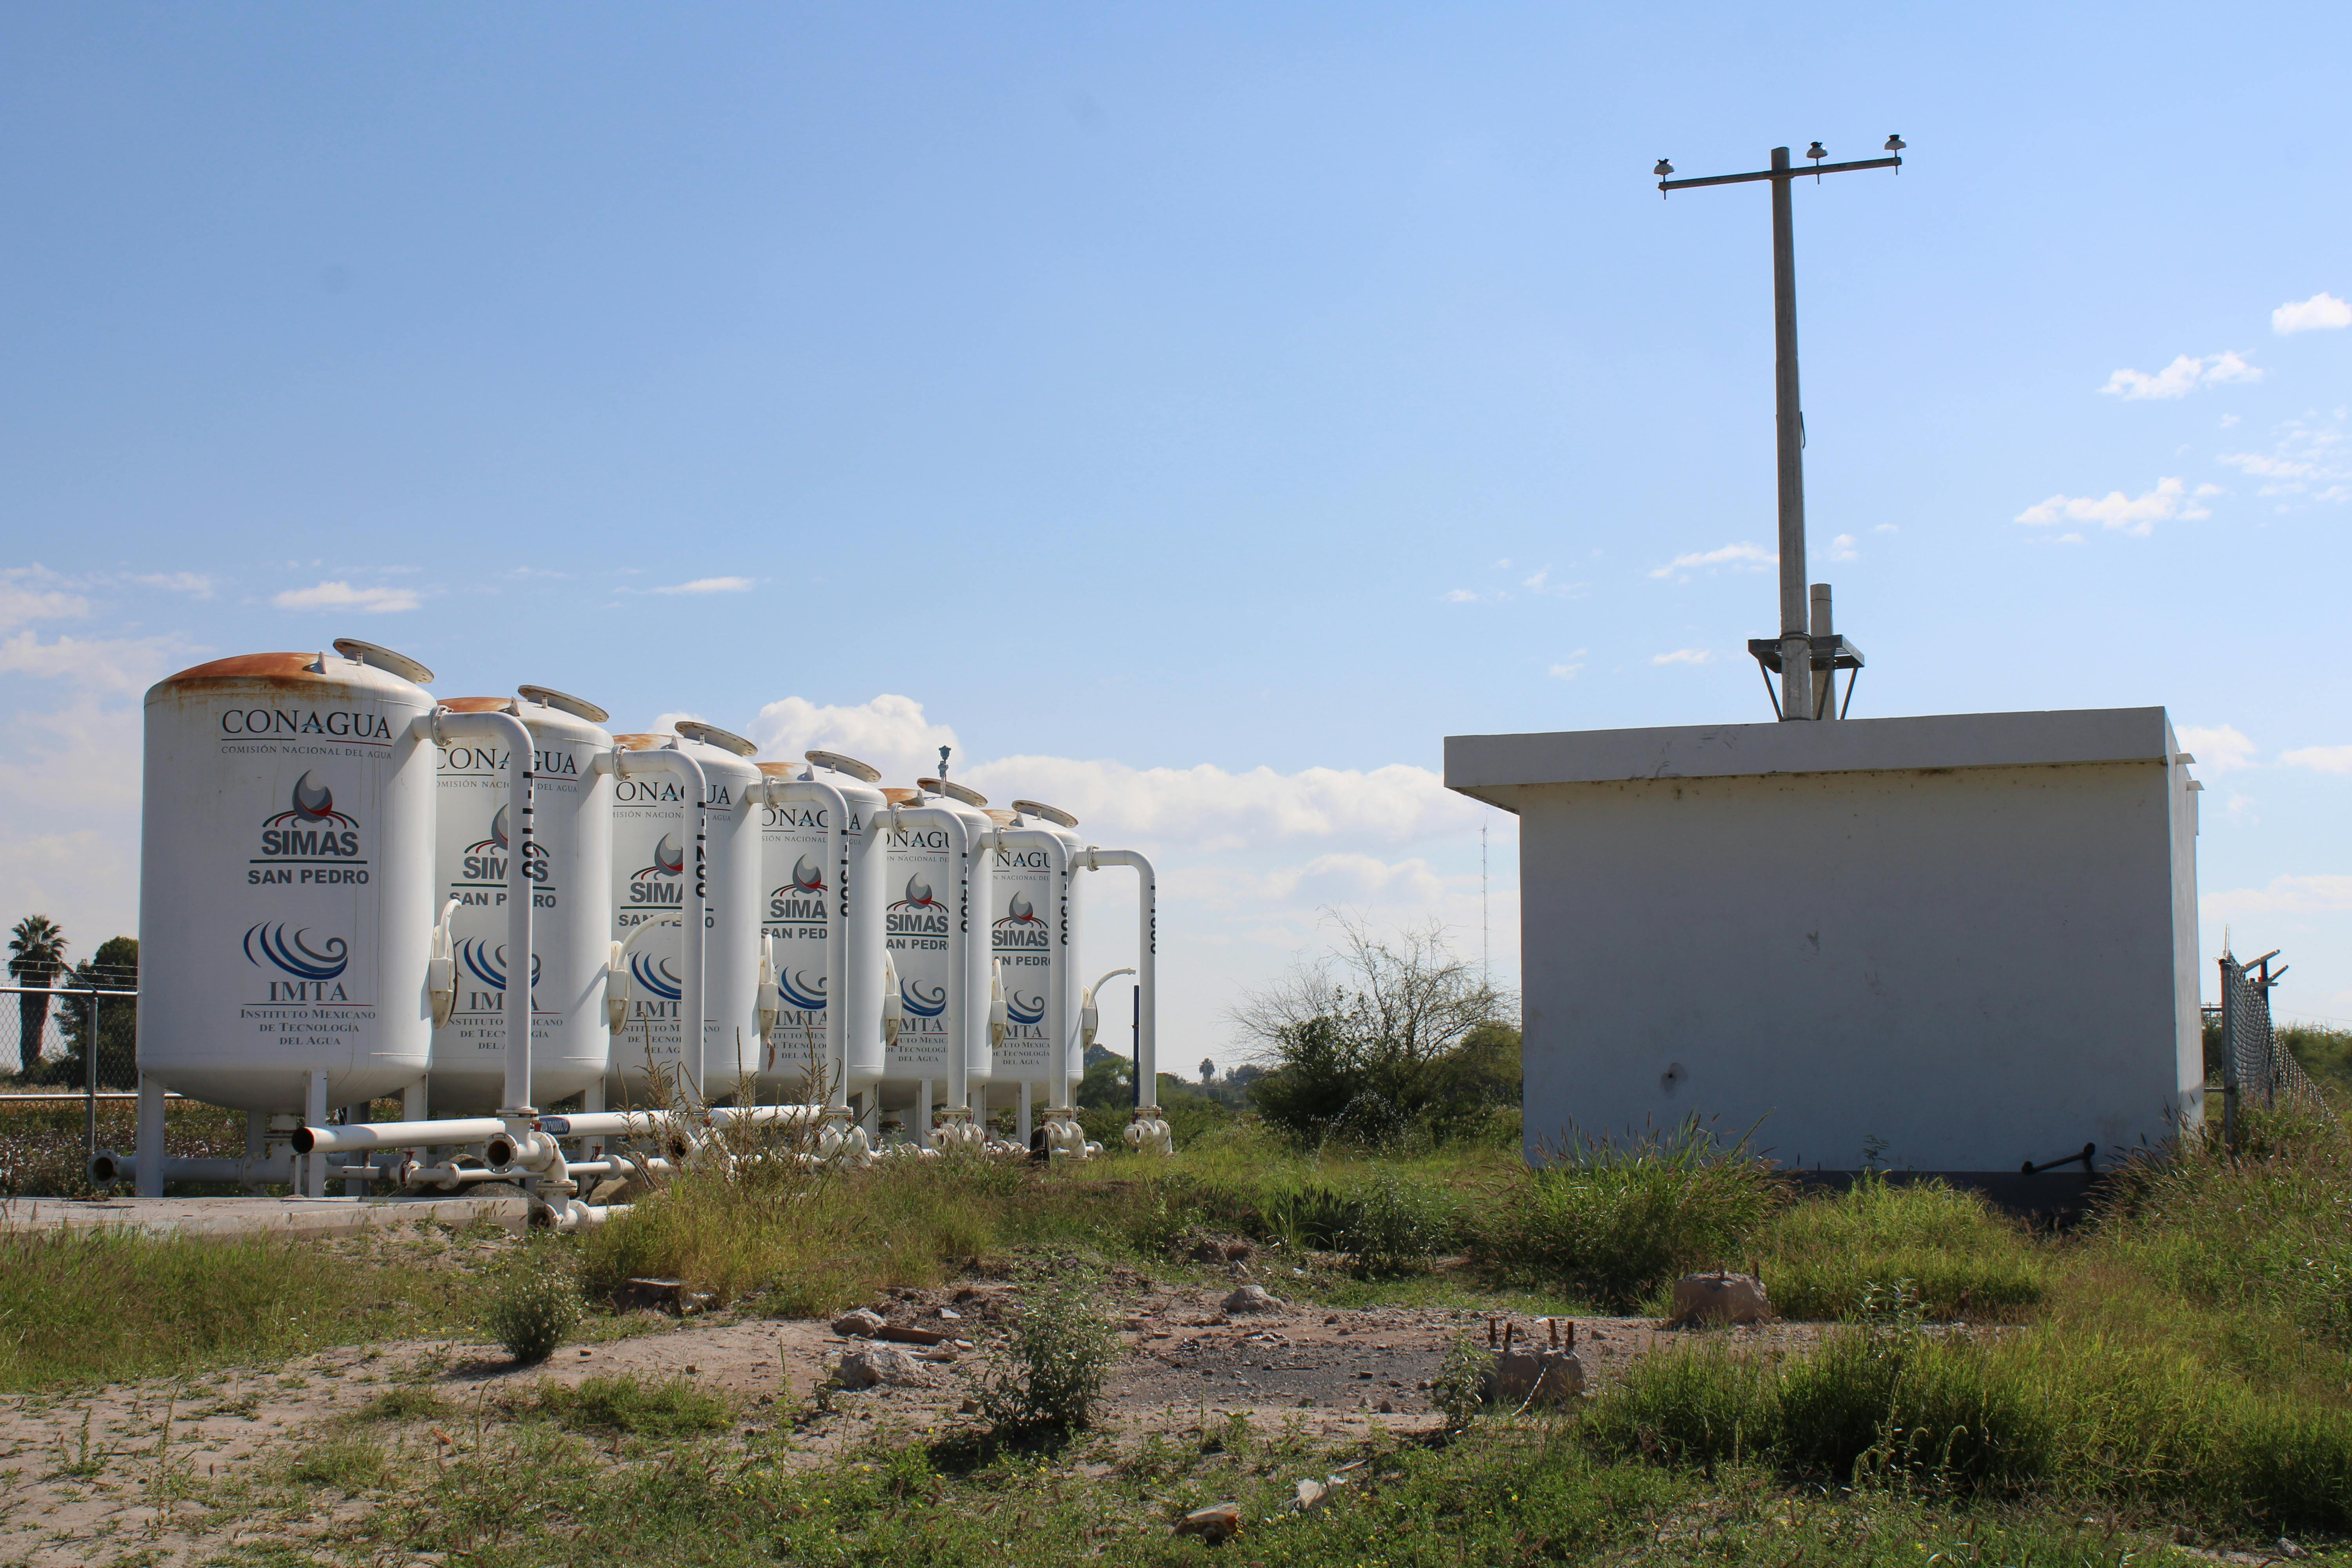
pixel 571 902
pixel 937 884
pixel 820 918
pixel 1032 937
pixel 286 879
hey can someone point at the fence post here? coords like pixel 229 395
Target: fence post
pixel 2229 1056
pixel 89 1078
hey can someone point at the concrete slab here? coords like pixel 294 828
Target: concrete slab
pixel 292 1218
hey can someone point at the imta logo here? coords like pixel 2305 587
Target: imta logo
pixel 797 991
pixel 314 973
pixel 1021 1009
pixel 919 1004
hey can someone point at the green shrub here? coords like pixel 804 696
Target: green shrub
pixel 408 1404
pixel 535 1310
pixel 1059 1350
pixel 1613 1222
pixel 350 1463
pixel 1459 1389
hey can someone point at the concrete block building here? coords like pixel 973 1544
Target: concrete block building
pixel 1963 943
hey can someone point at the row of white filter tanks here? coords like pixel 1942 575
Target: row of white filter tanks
pixel 340 874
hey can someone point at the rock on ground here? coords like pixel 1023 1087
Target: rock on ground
pixel 883 1364
pixel 1712 1298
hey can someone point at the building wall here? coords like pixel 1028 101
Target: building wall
pixel 1978 967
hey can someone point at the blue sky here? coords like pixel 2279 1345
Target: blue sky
pixel 1200 411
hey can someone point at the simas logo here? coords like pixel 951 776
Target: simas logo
pixel 801 899
pixel 313 835
pixel 919 913
pixel 1020 928
pixel 313 974
pixel 659 883
pixel 486 858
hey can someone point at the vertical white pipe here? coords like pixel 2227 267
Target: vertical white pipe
pixel 148 1180
pixel 922 1123
pixel 1024 1125
pixel 415 1102
pixel 314 1182
pixel 515 1009
pixel 1147 966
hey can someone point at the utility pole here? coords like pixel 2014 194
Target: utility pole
pixel 1801 649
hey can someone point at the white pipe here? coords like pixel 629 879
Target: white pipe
pixel 836 933
pixel 151 1135
pixel 1147 951
pixel 622 1123
pixel 516 999
pixel 326 1140
pixel 316 1185
pixel 111 1166
pixel 691 1023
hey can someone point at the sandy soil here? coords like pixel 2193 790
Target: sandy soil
pixel 97 1476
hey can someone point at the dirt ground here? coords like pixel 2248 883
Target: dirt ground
pixel 118 1474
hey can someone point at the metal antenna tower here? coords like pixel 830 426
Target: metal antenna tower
pixel 1807 643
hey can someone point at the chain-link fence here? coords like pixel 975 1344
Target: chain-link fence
pixel 2258 1072
pixel 72 1046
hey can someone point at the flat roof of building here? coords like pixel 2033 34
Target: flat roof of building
pixel 1495 768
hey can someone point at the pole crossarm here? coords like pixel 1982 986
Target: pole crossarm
pixel 1789 173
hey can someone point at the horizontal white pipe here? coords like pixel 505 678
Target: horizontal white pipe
pixel 111 1166
pixel 394 1135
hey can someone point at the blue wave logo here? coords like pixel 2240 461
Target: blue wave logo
pixel 796 991
pixel 1022 1012
pixel 911 998
pixel 489 964
pixel 295 956
pixel 656 976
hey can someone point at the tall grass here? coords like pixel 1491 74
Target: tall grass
pixel 1614 1222
pixel 1958 1254
pixel 90 1305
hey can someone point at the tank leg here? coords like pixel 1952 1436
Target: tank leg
pixel 918 1126
pixel 355 1187
pixel 592 1103
pixel 415 1101
pixel 150 1184
pixel 314 1182
pixel 1024 1129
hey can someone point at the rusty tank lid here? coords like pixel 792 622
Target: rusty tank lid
pixel 479 704
pixel 955 791
pixel 1053 814
pixel 642 743
pixel 563 702
pixel 294 670
pixel 704 735
pixel 897 796
pixel 863 772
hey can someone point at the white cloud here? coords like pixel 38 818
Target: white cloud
pixel 1742 557
pixel 121 666
pixel 2182 376
pixel 1571 668
pixel 2284 896
pixel 2133 514
pixel 1886 528
pixel 1685 656
pixel 2321 312
pixel 2307 462
pixel 1842 548
pixel 709 585
pixel 196 585
pixel 2320 759
pixel 2218 749
pixel 339 595
pixel 29 593
pixel 1541 583
pixel 1460 596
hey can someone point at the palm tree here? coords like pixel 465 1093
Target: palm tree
pixel 36 955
